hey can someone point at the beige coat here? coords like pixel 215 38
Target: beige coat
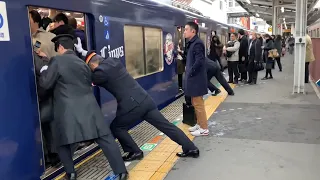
pixel 44 38
pixel 309 50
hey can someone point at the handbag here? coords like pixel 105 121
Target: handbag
pixel 258 66
pixel 189 116
pixel 273 53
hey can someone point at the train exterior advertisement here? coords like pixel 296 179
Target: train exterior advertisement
pixel 137 34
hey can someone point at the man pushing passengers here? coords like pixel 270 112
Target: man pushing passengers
pixel 134 104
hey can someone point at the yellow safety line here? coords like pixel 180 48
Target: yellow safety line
pixel 157 164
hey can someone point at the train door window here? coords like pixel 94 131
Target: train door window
pixel 203 37
pixel 41 41
pixel 153 46
pixel 134 53
pixel 143 49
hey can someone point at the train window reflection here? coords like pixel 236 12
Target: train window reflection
pixel 143 50
pixel 133 39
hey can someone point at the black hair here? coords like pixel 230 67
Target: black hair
pixel 73 22
pixel 241 32
pixel 36 17
pixel 194 26
pixel 61 17
pixel 45 22
pixel 278 37
pixel 235 34
pixel 67 44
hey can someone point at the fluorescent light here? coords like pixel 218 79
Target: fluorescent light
pixel 257 15
pixel 248 1
pixel 282 9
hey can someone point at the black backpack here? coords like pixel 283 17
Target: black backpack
pixel 228 53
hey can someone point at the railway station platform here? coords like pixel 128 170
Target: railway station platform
pixel 263 132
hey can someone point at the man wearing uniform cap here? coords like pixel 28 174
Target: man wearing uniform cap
pixel 77 115
pixel 134 104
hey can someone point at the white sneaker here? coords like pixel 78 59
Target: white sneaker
pixel 194 128
pixel 200 132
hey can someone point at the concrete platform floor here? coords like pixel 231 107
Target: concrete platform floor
pixel 262 133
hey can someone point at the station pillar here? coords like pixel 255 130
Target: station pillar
pixel 293 30
pixel 300 46
pixel 275 16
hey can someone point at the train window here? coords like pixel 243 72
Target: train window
pixel 153 49
pixel 203 37
pixel 143 49
pixel 317 32
pixel 133 39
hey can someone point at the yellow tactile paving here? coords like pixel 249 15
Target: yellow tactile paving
pixel 140 175
pixel 157 164
pixel 165 148
pixel 149 166
pixel 158 176
pixel 157 156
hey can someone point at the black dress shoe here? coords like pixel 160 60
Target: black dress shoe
pixel 71 176
pixel 190 153
pixel 216 92
pixel 231 94
pixel 123 176
pixel 131 156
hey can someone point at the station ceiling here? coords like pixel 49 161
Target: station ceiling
pixel 264 10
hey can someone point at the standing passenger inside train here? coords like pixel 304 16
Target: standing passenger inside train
pixel 232 52
pixel 254 53
pixel 61 25
pixel 42 46
pixel 77 115
pixel 134 104
pixel 196 83
pixel 78 32
pixel 243 56
pixel 180 64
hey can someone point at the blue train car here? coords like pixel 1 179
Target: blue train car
pixel 141 33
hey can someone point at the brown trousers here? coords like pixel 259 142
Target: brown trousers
pixel 198 104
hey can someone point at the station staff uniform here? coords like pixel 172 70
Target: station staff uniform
pixel 134 104
pixel 77 115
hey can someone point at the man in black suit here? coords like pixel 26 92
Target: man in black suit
pixel 254 54
pixel 243 55
pixel 134 104
pixel 77 115
pixel 213 69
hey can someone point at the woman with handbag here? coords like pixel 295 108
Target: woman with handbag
pixel 269 59
pixel 278 45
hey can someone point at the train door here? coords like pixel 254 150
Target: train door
pixel 43 49
pixel 180 46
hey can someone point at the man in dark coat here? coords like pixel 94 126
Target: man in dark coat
pixel 134 104
pixel 213 69
pixel 243 55
pixel 254 54
pixel 196 82
pixel 77 115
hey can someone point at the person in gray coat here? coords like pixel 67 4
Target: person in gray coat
pixel 77 115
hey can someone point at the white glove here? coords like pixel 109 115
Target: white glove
pixel 43 68
pixel 79 48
